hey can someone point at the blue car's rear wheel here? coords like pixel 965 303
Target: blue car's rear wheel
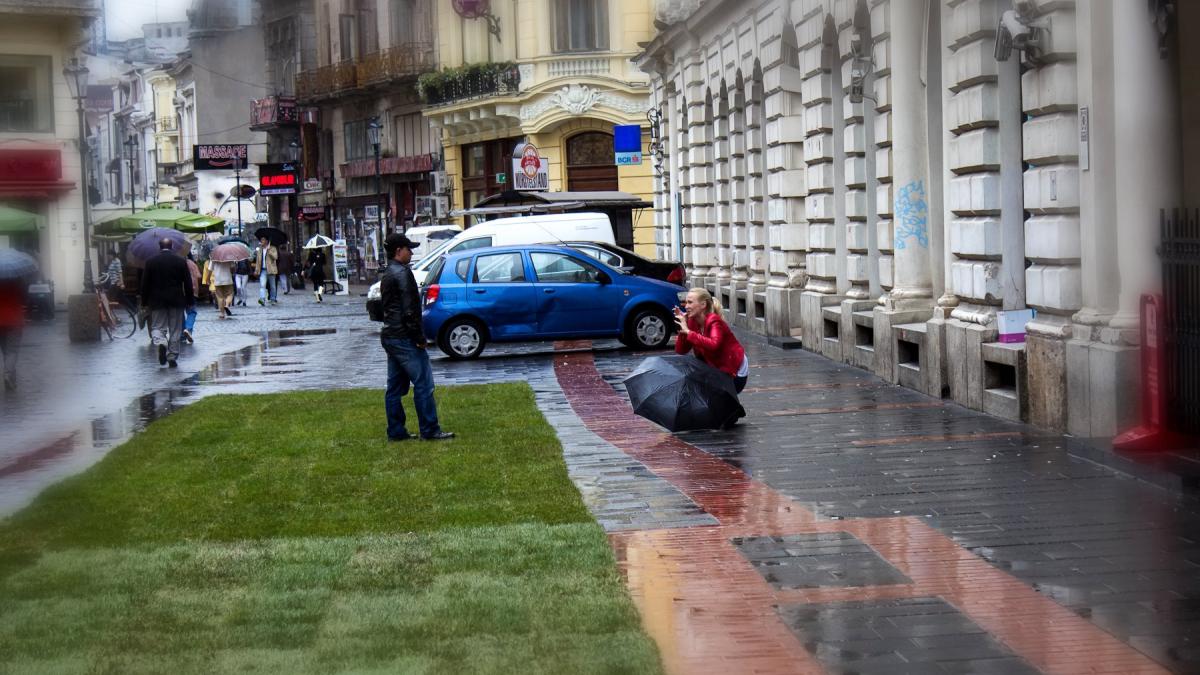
pixel 462 338
pixel 649 328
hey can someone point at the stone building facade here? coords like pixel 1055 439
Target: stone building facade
pixel 554 73
pixel 40 167
pixel 873 178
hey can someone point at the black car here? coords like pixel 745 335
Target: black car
pixel 628 261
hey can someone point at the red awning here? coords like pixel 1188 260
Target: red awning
pixel 35 189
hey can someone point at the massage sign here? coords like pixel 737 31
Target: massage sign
pixel 219 157
pixel 530 171
pixel 278 179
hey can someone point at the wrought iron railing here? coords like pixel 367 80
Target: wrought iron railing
pixel 326 81
pixel 168 124
pixel 1180 253
pixel 397 63
pixel 470 83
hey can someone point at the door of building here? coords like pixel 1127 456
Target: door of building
pixel 591 163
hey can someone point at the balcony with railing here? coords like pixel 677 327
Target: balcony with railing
pixel 326 81
pixel 168 124
pixel 475 81
pixel 399 63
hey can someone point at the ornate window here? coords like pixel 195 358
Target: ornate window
pixel 591 163
pixel 580 25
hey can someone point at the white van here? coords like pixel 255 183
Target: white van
pixel 430 237
pixel 516 231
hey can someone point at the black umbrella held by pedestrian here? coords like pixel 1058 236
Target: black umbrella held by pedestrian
pixel 276 236
pixel 682 393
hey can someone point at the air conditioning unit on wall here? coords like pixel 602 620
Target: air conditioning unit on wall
pixel 433 206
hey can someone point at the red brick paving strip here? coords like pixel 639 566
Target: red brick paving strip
pixel 711 612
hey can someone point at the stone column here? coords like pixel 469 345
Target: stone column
pixel 1148 162
pixel 862 184
pixel 703 230
pixel 910 298
pixel 1051 234
pixel 818 45
pixel 756 190
pixel 788 229
pixel 723 198
pixel 1101 377
pixel 739 230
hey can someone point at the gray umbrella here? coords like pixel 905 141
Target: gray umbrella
pixel 683 393
pixel 16 265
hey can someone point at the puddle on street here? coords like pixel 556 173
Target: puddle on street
pixel 28 474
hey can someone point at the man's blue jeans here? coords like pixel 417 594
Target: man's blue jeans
pixel 266 287
pixel 409 364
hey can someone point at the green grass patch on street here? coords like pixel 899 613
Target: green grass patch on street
pixel 283 533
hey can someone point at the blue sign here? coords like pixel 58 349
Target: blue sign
pixel 627 144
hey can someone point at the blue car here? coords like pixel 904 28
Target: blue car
pixel 541 292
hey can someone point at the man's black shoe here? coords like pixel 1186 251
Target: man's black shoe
pixel 397 439
pixel 172 364
pixel 162 355
pixel 439 436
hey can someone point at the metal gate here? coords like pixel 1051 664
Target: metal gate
pixel 1180 253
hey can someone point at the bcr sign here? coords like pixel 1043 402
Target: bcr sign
pixel 530 171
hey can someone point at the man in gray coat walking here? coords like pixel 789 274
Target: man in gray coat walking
pixel 167 292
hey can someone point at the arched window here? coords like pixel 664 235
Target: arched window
pixel 591 163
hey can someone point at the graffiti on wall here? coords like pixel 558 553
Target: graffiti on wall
pixel 912 215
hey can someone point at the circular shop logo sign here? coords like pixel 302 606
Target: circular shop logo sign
pixel 530 162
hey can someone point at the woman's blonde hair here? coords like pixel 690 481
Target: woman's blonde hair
pixel 711 305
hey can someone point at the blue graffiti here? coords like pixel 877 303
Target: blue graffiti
pixel 912 215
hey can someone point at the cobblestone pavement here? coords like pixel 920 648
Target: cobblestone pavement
pixel 890 532
pixel 846 525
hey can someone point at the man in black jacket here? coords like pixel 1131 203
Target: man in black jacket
pixel 167 291
pixel 404 341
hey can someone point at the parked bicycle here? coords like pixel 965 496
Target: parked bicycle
pixel 116 319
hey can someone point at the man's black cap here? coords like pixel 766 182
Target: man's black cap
pixel 396 241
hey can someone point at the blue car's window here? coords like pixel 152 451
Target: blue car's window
pixel 499 268
pixel 461 268
pixel 435 272
pixel 559 268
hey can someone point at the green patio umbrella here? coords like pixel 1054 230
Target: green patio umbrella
pixel 172 219
pixel 16 220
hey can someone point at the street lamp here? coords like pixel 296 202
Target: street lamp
pixel 131 146
pixel 76 75
pixel 373 129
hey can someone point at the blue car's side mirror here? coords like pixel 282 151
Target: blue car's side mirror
pixel 603 278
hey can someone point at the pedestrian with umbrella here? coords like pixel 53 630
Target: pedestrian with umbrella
pixel 703 331
pixel 223 261
pixel 684 393
pixel 266 263
pixel 15 270
pixel 315 266
pixel 145 245
pixel 166 291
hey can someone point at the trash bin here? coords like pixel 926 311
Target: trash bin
pixel 39 302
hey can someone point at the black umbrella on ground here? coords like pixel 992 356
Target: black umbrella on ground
pixel 276 236
pixel 683 393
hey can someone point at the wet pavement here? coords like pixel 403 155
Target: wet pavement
pixel 846 525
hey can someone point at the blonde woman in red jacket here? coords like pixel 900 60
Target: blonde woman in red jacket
pixel 702 330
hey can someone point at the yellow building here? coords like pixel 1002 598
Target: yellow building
pixel 554 73
pixel 166 134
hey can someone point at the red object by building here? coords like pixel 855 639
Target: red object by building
pixel 32 173
pixel 1152 434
